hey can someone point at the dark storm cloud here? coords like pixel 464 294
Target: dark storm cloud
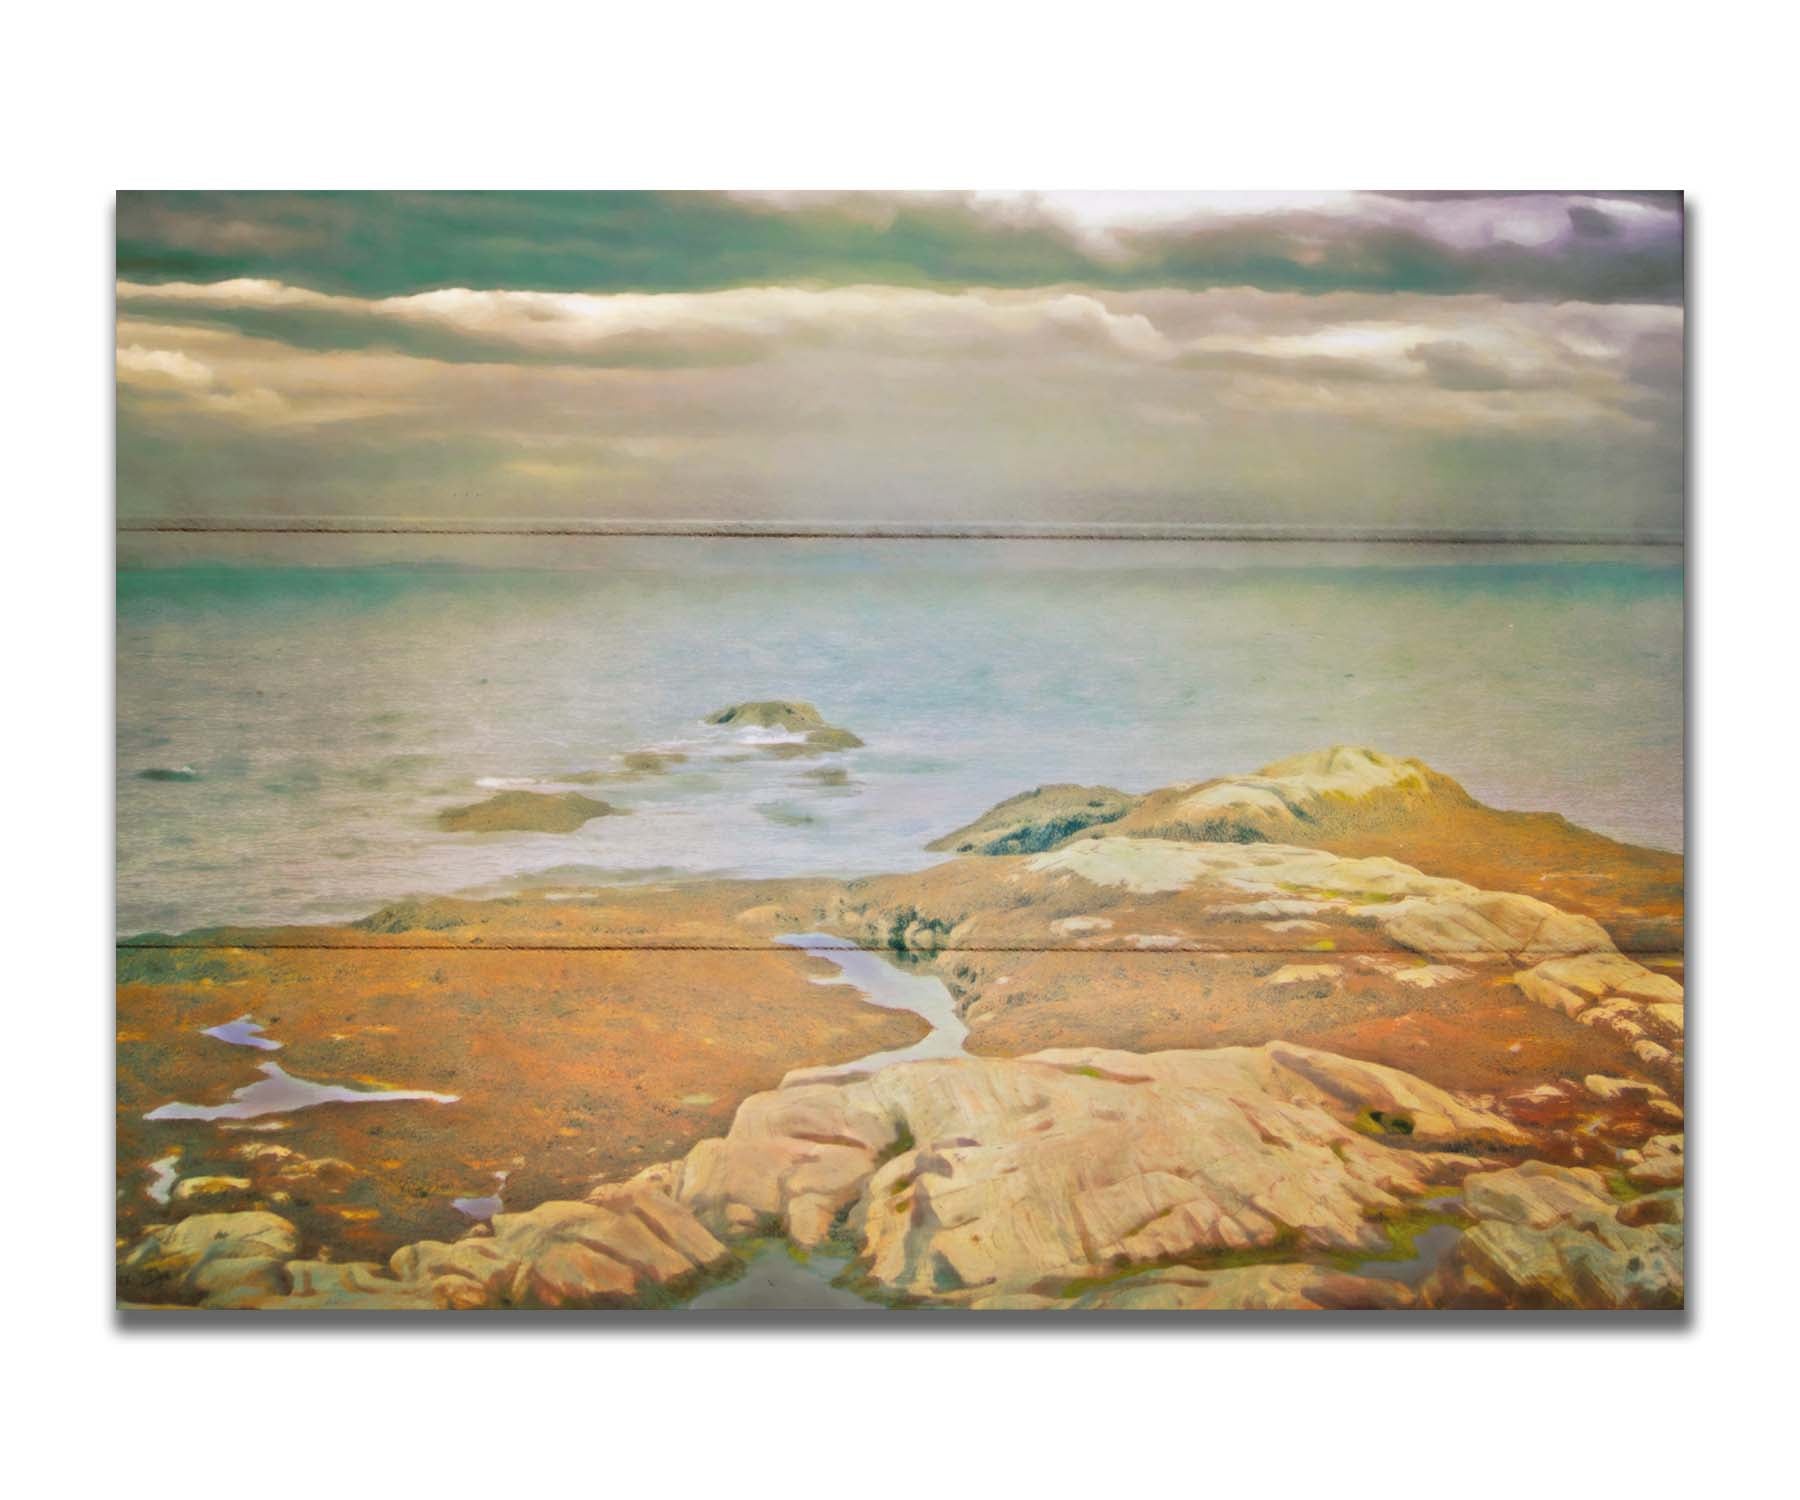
pixel 378 245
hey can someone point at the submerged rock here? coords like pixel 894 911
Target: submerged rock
pixel 168 773
pixel 525 812
pixel 650 762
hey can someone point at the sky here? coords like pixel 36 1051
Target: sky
pixel 1452 363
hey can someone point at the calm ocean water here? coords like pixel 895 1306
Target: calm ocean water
pixel 326 713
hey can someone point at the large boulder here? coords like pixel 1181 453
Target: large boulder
pixel 1550 1236
pixel 223 1260
pixel 1356 801
pixel 1306 795
pixel 972 1178
pixel 626 1247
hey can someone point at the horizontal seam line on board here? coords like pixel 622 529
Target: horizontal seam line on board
pixel 876 532
pixel 377 947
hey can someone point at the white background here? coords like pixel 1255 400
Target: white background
pixel 921 95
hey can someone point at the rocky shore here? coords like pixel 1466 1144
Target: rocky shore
pixel 1230 1048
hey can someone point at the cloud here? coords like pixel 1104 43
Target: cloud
pixel 1464 344
pixel 668 329
pixel 1539 246
pixel 1456 366
pixel 138 365
pixel 1436 360
pixel 839 403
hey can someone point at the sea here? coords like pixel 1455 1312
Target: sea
pixel 289 726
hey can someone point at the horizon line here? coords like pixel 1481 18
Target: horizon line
pixel 1036 531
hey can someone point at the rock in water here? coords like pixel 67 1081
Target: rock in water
pixel 525 812
pixel 794 717
pixel 1037 820
pixel 771 713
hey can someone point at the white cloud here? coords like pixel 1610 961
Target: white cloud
pixel 142 366
pixel 882 401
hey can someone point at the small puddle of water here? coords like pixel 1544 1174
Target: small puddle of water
pixel 163 1178
pixel 893 989
pixel 776 1281
pixel 279 1092
pixel 243 1032
pixel 482 1209
pixel 1430 1245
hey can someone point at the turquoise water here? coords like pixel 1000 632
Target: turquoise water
pixel 286 734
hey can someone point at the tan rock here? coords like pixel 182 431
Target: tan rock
pixel 1537 1194
pixel 1664 1163
pixel 994 1176
pixel 221 1259
pixel 210 1189
pixel 1287 797
pixel 630 1245
pixel 1303 973
pixel 1426 913
pixel 1618 994
pixel 1550 1236
pixel 1619 1090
